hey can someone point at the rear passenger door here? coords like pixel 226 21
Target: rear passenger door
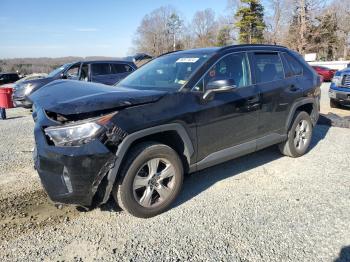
pixel 294 76
pixel 274 91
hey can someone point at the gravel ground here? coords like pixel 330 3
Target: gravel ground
pixel 261 207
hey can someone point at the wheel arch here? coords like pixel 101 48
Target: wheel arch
pixel 309 105
pixel 167 134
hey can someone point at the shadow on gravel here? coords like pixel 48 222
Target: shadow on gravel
pixel 344 255
pixel 111 206
pixel 14 117
pixel 200 181
pixel 332 119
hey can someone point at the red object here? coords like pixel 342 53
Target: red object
pixel 6 98
pixel 325 72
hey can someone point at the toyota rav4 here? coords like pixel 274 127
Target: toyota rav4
pixel 180 113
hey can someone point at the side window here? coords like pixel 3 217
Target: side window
pixel 84 75
pixel 268 67
pixel 294 65
pixel 121 68
pixel 232 66
pixel 73 72
pixel 100 69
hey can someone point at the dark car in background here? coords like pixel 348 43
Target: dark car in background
pixel 6 78
pixel 325 72
pixel 105 72
pixel 180 113
pixel 139 59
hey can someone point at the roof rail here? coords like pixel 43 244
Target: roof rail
pixel 251 45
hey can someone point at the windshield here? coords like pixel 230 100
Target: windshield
pixel 57 71
pixel 169 72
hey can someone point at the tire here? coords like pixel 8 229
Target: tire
pixel 299 136
pixel 144 190
pixel 334 103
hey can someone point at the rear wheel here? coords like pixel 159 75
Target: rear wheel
pixel 299 136
pixel 334 103
pixel 152 177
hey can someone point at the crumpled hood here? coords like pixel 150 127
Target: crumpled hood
pixel 69 97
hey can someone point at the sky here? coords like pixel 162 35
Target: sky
pixel 56 28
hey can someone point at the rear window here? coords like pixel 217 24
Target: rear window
pixel 121 68
pixel 268 67
pixel 100 69
pixel 295 67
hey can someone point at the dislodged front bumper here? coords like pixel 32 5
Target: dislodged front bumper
pixel 21 100
pixel 70 175
pixel 22 103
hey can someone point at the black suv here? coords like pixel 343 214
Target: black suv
pixel 180 113
pixel 106 72
pixel 6 78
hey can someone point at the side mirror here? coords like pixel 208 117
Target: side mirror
pixel 63 76
pixel 219 86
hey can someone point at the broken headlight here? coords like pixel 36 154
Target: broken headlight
pixel 78 133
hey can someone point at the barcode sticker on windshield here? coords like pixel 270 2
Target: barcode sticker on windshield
pixel 187 60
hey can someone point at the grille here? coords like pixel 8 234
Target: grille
pixel 346 81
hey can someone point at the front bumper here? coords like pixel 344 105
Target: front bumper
pixel 22 102
pixel 69 175
pixel 342 95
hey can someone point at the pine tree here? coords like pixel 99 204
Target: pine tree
pixel 251 22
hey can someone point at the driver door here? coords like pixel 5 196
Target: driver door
pixel 227 124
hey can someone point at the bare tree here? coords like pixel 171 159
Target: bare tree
pixel 204 27
pixel 157 31
pixel 342 9
pixel 278 17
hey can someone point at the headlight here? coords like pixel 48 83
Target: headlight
pixel 337 80
pixel 28 88
pixel 77 134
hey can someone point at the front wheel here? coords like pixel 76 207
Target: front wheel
pixel 152 177
pixel 299 136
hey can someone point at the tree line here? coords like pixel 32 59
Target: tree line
pixel 27 66
pixel 307 26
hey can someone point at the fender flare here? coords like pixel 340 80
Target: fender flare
pixel 129 139
pixel 308 100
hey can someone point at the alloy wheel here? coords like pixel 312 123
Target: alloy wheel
pixel 302 135
pixel 154 182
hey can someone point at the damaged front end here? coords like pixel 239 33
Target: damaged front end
pixel 77 135
pixel 73 156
